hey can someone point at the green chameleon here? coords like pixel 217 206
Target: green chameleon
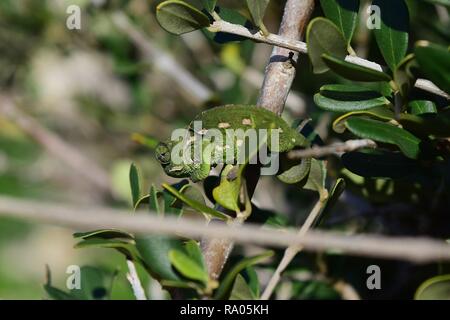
pixel 232 117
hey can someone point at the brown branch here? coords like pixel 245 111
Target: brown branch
pixel 280 71
pixel 414 249
pixel 318 152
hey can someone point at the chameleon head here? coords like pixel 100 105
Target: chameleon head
pixel 163 155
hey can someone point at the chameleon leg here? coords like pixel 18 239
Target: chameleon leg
pixel 203 168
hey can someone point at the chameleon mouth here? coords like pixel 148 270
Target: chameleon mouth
pixel 163 153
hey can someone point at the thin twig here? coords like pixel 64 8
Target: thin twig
pixel 291 251
pixel 74 158
pixel 134 281
pixel 299 46
pixel 318 152
pixel 414 249
pixel 163 61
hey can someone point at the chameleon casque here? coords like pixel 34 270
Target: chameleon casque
pixel 232 117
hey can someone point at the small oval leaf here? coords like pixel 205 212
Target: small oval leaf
pixel 344 14
pixel 386 133
pixel 179 17
pixel 154 250
pixel 379 113
pixel 418 107
pixel 323 37
pixel 257 9
pixel 187 266
pixel 392 36
pixel 347 98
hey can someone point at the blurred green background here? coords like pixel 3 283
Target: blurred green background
pixel 109 100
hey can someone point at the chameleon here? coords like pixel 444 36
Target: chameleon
pixel 230 117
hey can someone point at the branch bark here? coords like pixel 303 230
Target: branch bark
pixel 318 152
pixel 414 249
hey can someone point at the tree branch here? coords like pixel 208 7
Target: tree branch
pixel 318 152
pixel 299 46
pixel 280 71
pixel 414 249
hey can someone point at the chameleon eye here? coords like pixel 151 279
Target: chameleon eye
pixel 163 153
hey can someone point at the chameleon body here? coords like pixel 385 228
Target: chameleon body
pixel 223 118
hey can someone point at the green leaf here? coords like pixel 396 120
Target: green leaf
pixel 379 113
pixel 251 277
pixel 295 173
pixel 347 98
pixel 226 284
pixel 257 9
pixel 241 290
pixel 418 107
pixel 209 5
pixel 190 192
pixel 344 14
pixel 179 17
pixel 392 37
pixel 154 250
pixel 436 288
pixel 123 246
pixel 323 37
pixel 379 164
pixel 316 178
pixel 134 184
pixel 103 234
pixel 154 202
pixel 386 133
pixel 227 192
pixel 353 71
pixel 188 267
pixel 57 294
pixel 195 252
pixel 163 202
pixel 195 204
pixel 434 62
